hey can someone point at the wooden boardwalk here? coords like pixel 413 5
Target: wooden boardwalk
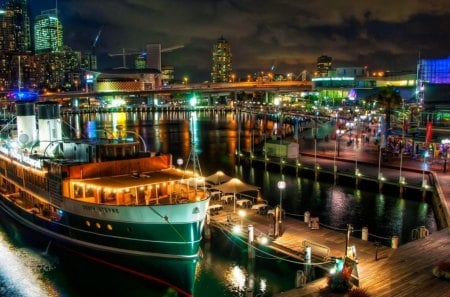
pixel 405 271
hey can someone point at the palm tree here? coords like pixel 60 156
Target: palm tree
pixel 388 99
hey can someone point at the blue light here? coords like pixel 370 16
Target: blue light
pixel 22 96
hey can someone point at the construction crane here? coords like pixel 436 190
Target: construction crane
pixel 131 52
pixel 97 37
pixel 94 47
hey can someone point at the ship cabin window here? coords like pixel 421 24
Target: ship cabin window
pixel 109 197
pixel 89 192
pixel 77 191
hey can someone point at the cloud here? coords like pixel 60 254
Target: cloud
pixel 290 34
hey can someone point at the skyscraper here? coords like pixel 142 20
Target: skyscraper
pixel 48 32
pixel 15 27
pixel 221 62
pixel 153 56
pixel 7 37
pixel 323 65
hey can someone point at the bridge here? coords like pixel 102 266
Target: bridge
pixel 273 86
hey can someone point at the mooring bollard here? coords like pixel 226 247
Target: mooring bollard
pixel 394 242
pixel 377 246
pixel 300 279
pixel 307 217
pixel 308 255
pixel 365 233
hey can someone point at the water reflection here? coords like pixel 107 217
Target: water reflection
pixel 21 272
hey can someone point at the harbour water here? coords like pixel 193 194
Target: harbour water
pixel 36 269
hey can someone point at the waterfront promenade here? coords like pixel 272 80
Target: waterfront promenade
pixel 366 158
pixel 382 271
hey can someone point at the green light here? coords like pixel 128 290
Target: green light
pixel 193 101
pixel 339 264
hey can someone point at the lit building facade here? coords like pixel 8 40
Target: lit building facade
pixel 168 75
pixel 434 91
pixel 7 36
pixel 323 66
pixel 126 80
pixel 48 32
pixel 15 26
pixel 221 62
pixel 58 70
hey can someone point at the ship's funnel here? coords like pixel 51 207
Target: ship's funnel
pixel 49 123
pixel 26 123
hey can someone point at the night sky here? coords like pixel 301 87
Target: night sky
pixel 289 35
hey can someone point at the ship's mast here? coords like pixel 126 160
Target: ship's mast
pixel 19 83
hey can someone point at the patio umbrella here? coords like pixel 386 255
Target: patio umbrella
pixel 234 186
pixel 218 178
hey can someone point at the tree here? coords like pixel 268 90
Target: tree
pixel 388 99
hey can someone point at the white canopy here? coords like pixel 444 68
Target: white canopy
pixel 218 178
pixel 235 185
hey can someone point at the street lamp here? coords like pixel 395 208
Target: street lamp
pixel 281 186
pixel 339 133
pixel 424 165
pixel 445 144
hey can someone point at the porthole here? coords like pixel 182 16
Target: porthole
pixel 109 227
pixel 98 225
pixel 88 223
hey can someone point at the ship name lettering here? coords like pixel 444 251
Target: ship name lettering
pixel 100 209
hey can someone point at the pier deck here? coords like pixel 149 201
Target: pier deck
pixel 405 271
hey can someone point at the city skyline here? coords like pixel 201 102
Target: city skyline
pixel 286 36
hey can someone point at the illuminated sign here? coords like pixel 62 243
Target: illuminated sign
pixel 89 78
pixel 332 78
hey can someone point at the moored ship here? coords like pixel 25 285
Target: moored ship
pixel 104 195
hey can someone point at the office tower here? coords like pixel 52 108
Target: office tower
pixel 168 74
pixel 48 32
pixel 153 51
pixel 323 66
pixel 221 62
pixel 15 27
pixel 7 37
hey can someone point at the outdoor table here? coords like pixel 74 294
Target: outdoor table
pixel 227 198
pixel 243 202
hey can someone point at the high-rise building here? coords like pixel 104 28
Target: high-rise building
pixel 153 51
pixel 167 74
pixel 323 66
pixel 48 32
pixel 7 36
pixel 221 62
pixel 15 26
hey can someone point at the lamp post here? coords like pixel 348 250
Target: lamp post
pixel 339 133
pixel 281 186
pixel 347 239
pixel 445 148
pixel 424 165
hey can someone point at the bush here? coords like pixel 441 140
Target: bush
pixel 442 270
pixel 358 292
pixel 339 282
pixel 444 266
